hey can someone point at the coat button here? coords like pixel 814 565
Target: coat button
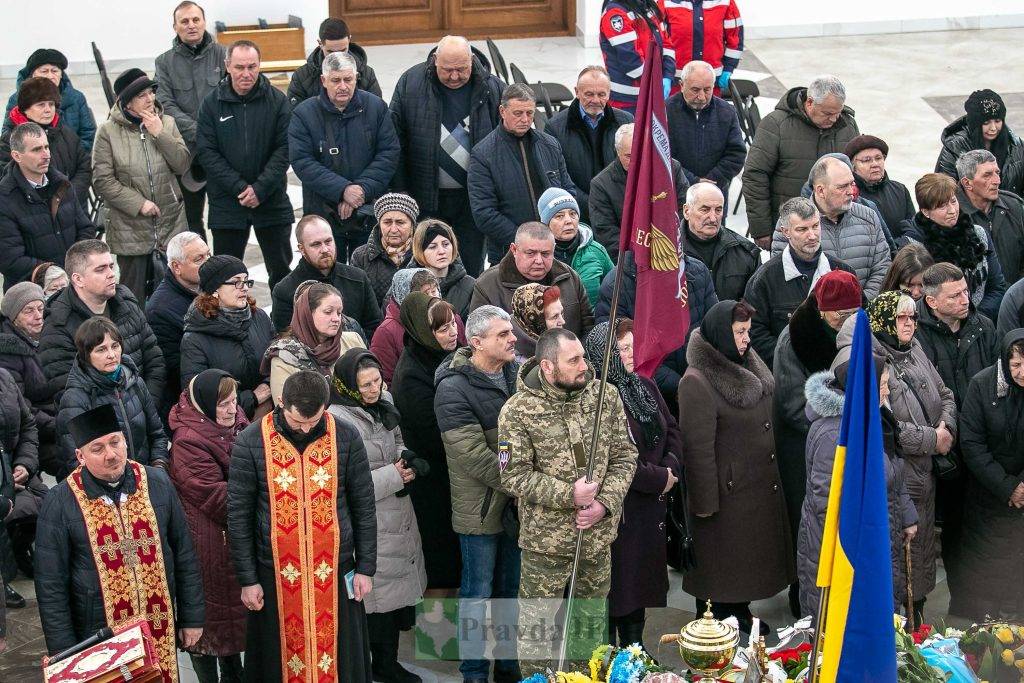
pixel 767 426
pixel 661 525
pixel 771 457
pixel 775 487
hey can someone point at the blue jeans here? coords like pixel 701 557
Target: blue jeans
pixel 490 569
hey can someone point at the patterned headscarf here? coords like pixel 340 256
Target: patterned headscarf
pixel 401 283
pixel 528 304
pixel 637 398
pixel 882 316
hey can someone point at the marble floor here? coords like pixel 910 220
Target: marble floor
pixel 904 89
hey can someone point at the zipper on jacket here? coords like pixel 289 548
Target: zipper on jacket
pixel 526 172
pixel 152 184
pixel 487 504
pixel 127 425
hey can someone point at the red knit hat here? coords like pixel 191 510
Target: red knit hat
pixel 837 291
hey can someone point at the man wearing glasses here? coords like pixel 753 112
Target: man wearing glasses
pixel 442 108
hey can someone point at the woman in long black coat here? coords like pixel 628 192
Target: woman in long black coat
pixel 430 335
pixel 639 576
pixel 992 442
pixel 225 329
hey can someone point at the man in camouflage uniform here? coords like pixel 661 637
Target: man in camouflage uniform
pixel 544 434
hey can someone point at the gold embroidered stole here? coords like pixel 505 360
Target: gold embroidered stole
pixel 129 559
pixel 305 537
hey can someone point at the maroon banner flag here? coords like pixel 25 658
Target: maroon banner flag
pixel 651 230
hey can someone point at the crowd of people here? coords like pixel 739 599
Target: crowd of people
pixel 414 414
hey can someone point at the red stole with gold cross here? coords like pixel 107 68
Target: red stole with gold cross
pixel 129 559
pixel 305 538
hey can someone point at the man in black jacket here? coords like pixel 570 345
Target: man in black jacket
pixel 78 531
pixel 166 308
pixel 867 155
pixel 319 262
pixel 510 169
pixel 704 132
pixel 586 131
pixel 730 258
pixel 442 108
pixel 608 192
pixel 1001 213
pixel 785 280
pixel 243 146
pixel 334 36
pixel 261 495
pixel 94 291
pixel 40 215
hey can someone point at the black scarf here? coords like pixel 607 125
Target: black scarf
pixel 566 251
pixel 704 248
pixel 716 328
pixel 204 389
pixel 345 392
pixel 1013 410
pixel 960 245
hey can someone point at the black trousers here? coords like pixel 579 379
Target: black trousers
pixel 349 234
pixel 274 241
pixel 195 202
pixel 453 209
pixel 206 668
pixel 134 272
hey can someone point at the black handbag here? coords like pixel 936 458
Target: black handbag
pixel 682 554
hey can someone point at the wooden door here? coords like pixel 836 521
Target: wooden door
pixel 409 21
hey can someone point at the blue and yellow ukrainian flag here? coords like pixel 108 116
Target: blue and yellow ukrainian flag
pixel 856 561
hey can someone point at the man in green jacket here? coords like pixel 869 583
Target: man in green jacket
pixel 544 434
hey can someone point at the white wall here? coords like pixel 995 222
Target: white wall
pixel 136 31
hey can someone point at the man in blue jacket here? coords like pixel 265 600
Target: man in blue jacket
pixel 510 169
pixel 342 146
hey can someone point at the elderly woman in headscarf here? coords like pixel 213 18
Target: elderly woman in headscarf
pixel 358 396
pixel 431 334
pixel 536 308
pixel 733 486
pixel 315 339
pixel 983 126
pixel 992 442
pixel 639 576
pixel 206 420
pixel 925 413
pixel 826 395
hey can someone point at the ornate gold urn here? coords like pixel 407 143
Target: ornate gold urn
pixel 707 646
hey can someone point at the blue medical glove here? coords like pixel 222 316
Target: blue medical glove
pixel 723 81
pixel 666 85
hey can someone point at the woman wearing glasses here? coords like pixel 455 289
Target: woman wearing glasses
pixel 925 413
pixel 225 329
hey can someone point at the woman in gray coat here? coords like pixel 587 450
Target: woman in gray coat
pixel 358 396
pixel 825 398
pixel 925 411
pixel 136 156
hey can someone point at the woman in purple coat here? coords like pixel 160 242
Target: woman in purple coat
pixel 639 573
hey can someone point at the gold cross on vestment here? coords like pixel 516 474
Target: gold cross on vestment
pixel 158 616
pixel 125 546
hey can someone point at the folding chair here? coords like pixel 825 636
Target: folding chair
pixel 108 90
pixel 742 93
pixel 497 61
pixel 558 94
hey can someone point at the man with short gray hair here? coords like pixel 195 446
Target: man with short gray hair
pixel 472 387
pixel 586 131
pixel 704 131
pixel 731 259
pixel 510 169
pixel 333 36
pixel 1000 212
pixel 608 192
pixel 807 123
pixel 531 258
pixel 166 307
pixel 785 280
pixel 32 231
pixel 342 146
pixel 442 108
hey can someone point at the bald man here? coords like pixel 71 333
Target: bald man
pixel 586 131
pixel 442 108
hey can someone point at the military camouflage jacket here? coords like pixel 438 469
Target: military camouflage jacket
pixel 544 436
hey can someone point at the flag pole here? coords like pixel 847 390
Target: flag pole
pixel 594 440
pixel 819 634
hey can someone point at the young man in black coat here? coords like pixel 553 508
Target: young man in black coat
pixel 319 262
pixel 243 146
pixel 329 455
pixel 334 36
pixel 75 599
pixel 40 214
pixel 510 169
pixel 442 108
pixel 586 131
pixel 94 291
